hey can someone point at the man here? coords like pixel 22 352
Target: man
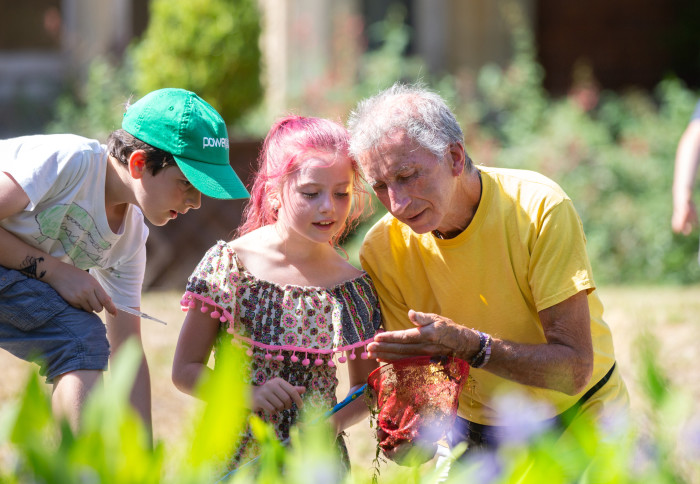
pixel 485 264
pixel 70 204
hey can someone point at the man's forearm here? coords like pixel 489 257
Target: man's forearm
pixel 552 366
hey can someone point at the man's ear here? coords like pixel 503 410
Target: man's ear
pixel 137 164
pixel 457 158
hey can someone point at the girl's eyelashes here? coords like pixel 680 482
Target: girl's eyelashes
pixel 315 194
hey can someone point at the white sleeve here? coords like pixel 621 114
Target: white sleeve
pixel 45 165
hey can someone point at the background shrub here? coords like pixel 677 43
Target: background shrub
pixel 207 46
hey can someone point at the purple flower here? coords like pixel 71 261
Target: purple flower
pixel 689 439
pixel 522 417
pixel 482 467
pixel 644 455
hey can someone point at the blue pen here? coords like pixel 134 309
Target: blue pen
pixel 345 402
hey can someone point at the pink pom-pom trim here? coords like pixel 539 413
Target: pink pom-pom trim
pixel 189 300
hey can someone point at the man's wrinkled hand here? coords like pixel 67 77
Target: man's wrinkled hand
pixel 433 335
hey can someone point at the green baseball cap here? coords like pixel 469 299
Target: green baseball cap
pixel 186 126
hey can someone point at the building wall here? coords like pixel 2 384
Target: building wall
pixel 619 44
pixel 303 44
pixel 47 44
pixel 457 36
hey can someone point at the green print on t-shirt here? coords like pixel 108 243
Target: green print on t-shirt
pixel 75 229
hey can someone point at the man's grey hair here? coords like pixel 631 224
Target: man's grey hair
pixel 413 109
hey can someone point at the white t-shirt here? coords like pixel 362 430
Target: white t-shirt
pixel 64 177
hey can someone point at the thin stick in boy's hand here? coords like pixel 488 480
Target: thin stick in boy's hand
pixel 133 311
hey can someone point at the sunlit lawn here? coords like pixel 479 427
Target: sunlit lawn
pixel 670 314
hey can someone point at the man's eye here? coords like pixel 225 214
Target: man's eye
pixel 186 183
pixel 378 186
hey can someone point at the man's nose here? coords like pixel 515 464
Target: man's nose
pixel 398 199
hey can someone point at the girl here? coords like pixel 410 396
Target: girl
pixel 282 288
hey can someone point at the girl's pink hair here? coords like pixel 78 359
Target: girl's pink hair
pixel 284 150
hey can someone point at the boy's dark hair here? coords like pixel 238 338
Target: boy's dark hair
pixel 121 144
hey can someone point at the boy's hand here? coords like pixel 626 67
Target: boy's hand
pixel 276 395
pixel 79 289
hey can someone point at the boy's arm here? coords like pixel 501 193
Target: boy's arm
pixel 76 286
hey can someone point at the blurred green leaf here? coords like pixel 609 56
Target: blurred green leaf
pixel 217 429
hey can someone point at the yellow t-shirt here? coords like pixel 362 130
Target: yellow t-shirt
pixel 524 251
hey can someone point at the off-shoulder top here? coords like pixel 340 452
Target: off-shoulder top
pixel 293 332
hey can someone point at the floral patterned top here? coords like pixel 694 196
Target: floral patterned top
pixel 293 332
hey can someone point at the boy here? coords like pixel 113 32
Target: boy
pixel 69 204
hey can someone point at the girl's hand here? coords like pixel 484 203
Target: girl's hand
pixel 276 395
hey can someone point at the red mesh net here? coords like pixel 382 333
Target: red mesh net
pixel 417 398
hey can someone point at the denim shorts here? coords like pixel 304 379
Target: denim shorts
pixel 37 324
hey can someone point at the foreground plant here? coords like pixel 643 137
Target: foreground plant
pixel 113 447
